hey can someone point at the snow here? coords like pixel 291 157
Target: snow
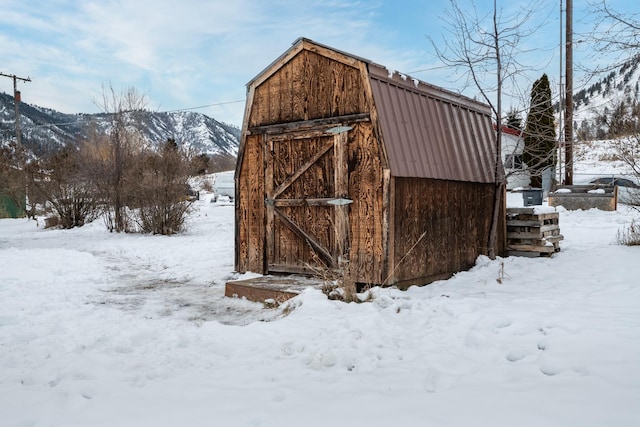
pixel 595 159
pixel 105 329
pixel 543 209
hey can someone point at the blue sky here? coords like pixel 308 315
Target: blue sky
pixel 193 53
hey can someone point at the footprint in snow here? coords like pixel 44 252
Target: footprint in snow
pixel 551 369
pixel 515 355
pixel 501 324
pixel 436 381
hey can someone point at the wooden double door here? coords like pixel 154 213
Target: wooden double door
pixel 307 203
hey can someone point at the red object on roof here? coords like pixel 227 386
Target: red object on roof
pixel 509 130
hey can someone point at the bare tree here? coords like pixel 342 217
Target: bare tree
pixel 487 50
pixel 624 128
pixel 115 152
pixel 142 189
pixel 615 36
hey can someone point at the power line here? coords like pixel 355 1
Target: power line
pixel 203 106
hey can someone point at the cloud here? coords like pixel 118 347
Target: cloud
pixel 189 53
pixel 182 53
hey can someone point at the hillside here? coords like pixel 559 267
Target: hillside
pixel 606 100
pixel 44 129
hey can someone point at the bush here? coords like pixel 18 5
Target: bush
pixel 630 235
pixel 160 197
pixel 58 183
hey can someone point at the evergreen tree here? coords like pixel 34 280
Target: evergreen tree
pixel 513 119
pixel 539 133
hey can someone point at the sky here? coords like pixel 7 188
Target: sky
pixel 199 55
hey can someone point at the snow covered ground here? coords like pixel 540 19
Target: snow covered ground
pixel 596 159
pixel 100 329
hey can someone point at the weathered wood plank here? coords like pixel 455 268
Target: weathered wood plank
pixel 269 194
pixel 323 201
pixel 531 234
pixel 274 287
pixel 555 239
pixel 341 184
pixel 531 248
pixel 521 211
pixel 311 125
pixel 388 229
pixel 536 217
pixel 253 208
pixel 528 223
pixel 366 212
pixel 286 88
pixel 306 269
pixel 528 254
pixel 533 229
pixel 255 293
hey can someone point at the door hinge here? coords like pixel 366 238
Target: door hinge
pixel 340 202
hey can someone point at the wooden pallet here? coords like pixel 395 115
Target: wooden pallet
pixel 532 234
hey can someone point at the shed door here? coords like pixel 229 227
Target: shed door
pixel 306 185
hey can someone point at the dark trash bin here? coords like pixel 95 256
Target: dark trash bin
pixel 532 196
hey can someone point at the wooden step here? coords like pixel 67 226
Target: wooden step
pixel 276 289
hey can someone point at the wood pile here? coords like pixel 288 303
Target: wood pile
pixel 532 234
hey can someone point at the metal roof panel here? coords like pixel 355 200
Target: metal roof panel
pixel 429 132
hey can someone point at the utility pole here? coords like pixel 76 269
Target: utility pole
pixel 16 101
pixel 560 108
pixel 568 117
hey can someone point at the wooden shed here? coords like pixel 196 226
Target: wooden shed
pixel 343 163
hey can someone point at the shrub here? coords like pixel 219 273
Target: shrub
pixel 630 235
pixel 160 197
pixel 57 182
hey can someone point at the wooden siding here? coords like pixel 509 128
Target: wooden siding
pixel 308 86
pixel 250 211
pixel 440 227
pixel 366 215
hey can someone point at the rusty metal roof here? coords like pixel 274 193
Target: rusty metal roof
pixel 429 132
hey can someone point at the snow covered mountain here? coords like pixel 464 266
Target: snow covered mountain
pixel 45 130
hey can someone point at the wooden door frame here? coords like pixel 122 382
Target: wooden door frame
pixel 332 257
